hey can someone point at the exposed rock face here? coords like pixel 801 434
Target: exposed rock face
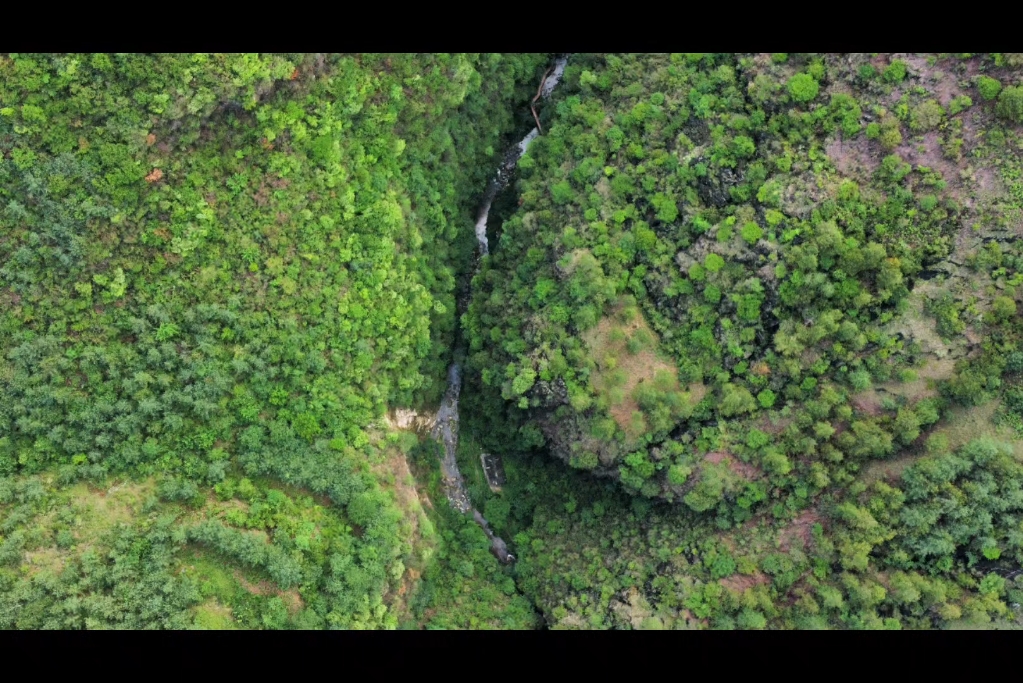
pixel 714 190
pixel 551 394
pixel 404 418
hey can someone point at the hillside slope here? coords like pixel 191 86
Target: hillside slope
pixel 215 268
pixel 757 287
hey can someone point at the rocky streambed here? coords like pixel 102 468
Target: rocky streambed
pixel 445 428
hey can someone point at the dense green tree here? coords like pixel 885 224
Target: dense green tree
pixel 988 87
pixel 1010 104
pixel 802 87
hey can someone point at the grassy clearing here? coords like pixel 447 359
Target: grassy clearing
pixel 963 425
pixel 959 426
pixel 628 360
pixel 104 507
pixel 213 616
pixel 79 520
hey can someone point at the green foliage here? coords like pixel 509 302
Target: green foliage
pixel 988 87
pixel 888 133
pixel 1003 307
pixel 1010 104
pixel 895 72
pixel 714 483
pixel 802 87
pixel 126 560
pixel 751 232
pixel 926 116
pixel 236 264
pixel 793 309
pixel 462 584
pixel 959 104
pixel 766 398
pixel 168 297
pixel 218 273
pixel 757 439
pixel 981 478
pixel 736 400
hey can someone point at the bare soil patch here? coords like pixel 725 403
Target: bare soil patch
pixel 868 403
pixel 854 158
pixel 291 598
pixel 799 531
pixel 740 583
pixel 926 151
pixel 743 469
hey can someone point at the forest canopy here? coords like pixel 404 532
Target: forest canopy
pixel 744 351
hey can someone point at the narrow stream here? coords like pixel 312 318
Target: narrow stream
pixel 446 427
pixel 504 172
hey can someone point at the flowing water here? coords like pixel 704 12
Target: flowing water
pixel 504 172
pixel 445 429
